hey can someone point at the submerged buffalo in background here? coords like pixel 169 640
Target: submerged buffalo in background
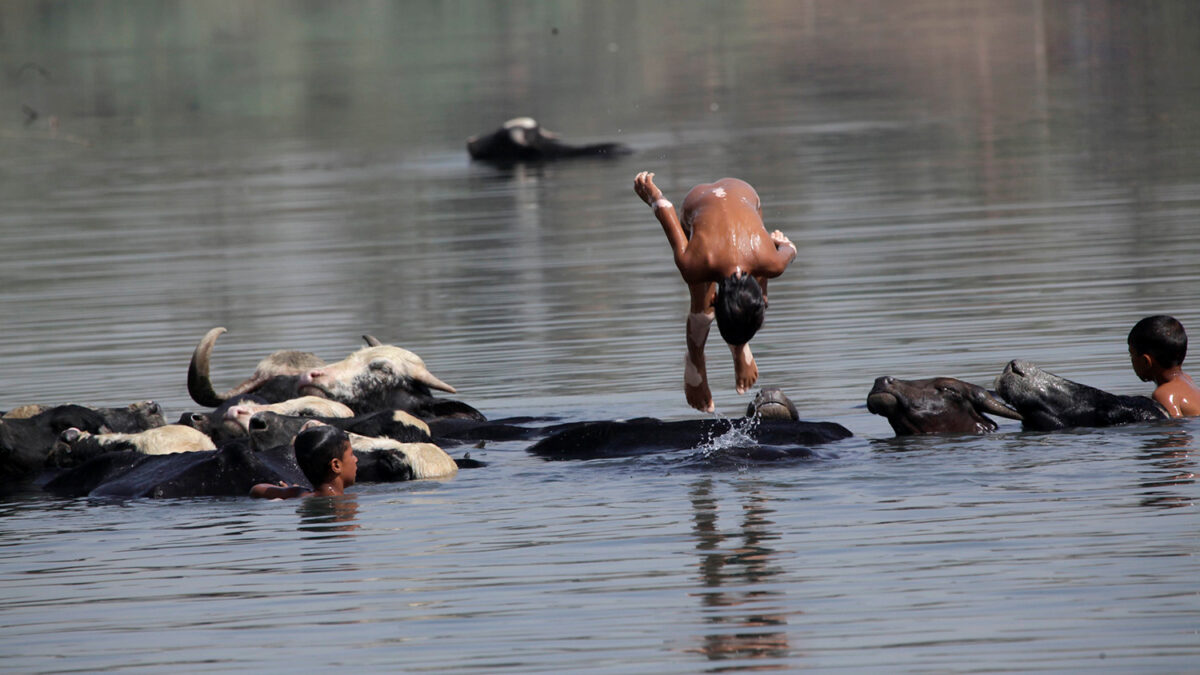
pixel 1048 402
pixel 376 377
pixel 644 435
pixel 936 405
pixel 522 139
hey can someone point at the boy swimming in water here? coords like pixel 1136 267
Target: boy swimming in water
pixel 1157 346
pixel 725 256
pixel 327 460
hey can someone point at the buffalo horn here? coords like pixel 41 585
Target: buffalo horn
pixel 988 402
pixel 422 374
pixel 199 383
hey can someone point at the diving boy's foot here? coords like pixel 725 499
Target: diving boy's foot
pixel 745 370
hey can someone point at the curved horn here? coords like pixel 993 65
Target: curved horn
pixel 421 374
pixel 199 383
pixel 986 401
pixel 372 341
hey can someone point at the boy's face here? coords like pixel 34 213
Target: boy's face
pixel 1141 365
pixel 349 468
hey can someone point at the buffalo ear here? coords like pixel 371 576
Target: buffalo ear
pixel 987 402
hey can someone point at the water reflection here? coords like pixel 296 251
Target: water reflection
pixel 746 621
pixel 1169 458
pixel 328 516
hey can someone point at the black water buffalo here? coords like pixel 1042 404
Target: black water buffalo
pixel 1048 402
pixel 376 377
pixel 268 429
pixel 217 423
pixel 230 470
pixel 522 139
pixel 25 442
pixel 75 446
pixel 936 405
pixel 774 435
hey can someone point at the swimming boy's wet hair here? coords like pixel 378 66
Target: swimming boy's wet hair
pixel 739 308
pixel 1161 337
pixel 315 448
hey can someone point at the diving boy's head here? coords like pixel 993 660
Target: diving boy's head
pixel 739 308
pixel 324 453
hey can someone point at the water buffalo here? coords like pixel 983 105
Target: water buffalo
pixel 75 446
pixel 302 407
pixel 384 378
pixel 232 469
pixel 645 435
pixel 522 139
pixel 1048 402
pixel 274 379
pixel 25 442
pixel 268 429
pixel 376 377
pixel 386 460
pixel 936 405
pixel 228 471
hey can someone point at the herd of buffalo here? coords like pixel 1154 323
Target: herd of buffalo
pixel 383 396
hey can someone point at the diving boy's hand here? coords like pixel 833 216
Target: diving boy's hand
pixel 781 240
pixel 645 188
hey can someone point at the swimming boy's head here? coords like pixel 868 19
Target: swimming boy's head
pixel 321 452
pixel 1160 337
pixel 739 308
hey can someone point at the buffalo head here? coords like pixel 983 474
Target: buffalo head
pixel 1048 402
pixel 935 405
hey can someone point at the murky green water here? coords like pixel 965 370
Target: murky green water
pixel 967 183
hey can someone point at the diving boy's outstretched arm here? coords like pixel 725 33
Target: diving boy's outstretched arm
pixel 664 210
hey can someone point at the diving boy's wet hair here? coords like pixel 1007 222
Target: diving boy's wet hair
pixel 316 447
pixel 1161 337
pixel 739 308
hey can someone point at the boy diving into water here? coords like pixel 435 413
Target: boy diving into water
pixel 725 256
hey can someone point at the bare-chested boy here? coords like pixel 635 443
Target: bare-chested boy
pixel 725 256
pixel 1157 346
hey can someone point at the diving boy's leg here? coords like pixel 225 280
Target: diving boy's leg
pixel 745 370
pixel 695 376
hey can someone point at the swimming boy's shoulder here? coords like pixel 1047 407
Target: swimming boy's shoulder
pixel 1179 395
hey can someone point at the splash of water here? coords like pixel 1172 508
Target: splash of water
pixel 740 434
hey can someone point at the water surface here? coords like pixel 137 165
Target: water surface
pixel 967 183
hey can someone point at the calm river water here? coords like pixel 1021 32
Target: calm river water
pixel 967 183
